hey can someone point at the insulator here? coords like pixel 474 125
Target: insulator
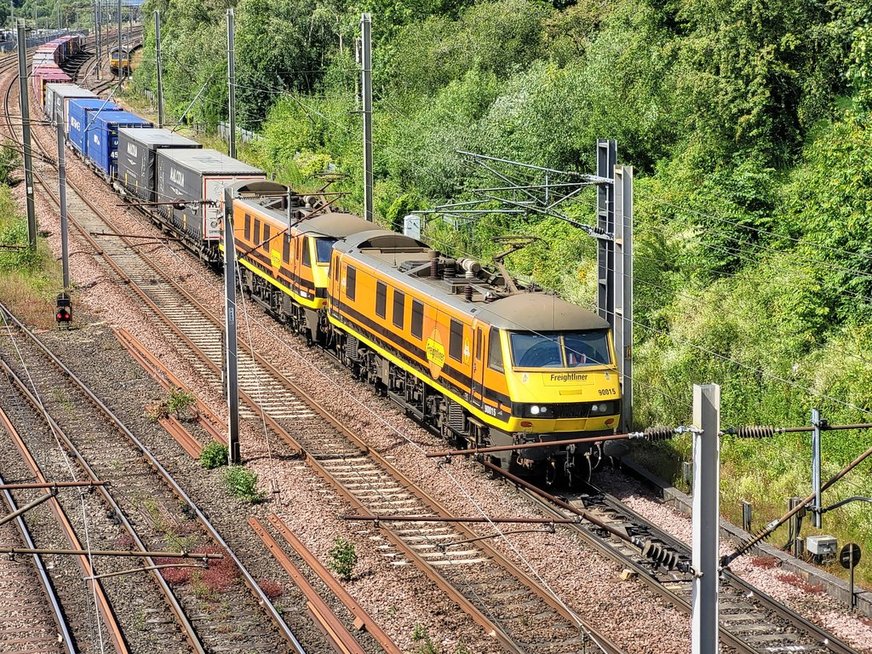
pixel 660 555
pixel 753 431
pixel 658 433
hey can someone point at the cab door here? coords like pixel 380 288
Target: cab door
pixel 478 365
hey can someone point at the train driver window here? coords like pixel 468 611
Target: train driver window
pixel 381 299
pixel 307 258
pixel 350 282
pixel 494 350
pixel 455 340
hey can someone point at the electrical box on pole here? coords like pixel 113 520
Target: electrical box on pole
pixel 24 105
pixel 366 86
pixel 706 512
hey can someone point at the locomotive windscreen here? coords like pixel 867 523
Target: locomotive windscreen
pixel 560 349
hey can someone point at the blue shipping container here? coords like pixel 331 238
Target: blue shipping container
pixel 82 112
pixel 103 138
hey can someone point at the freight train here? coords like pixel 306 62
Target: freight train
pixel 464 350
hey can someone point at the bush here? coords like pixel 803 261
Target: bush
pixel 214 455
pixel 242 483
pixel 343 558
pixel 179 402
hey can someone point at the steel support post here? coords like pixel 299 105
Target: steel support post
pixel 622 283
pixel 24 105
pixel 706 510
pixel 97 37
pixel 231 85
pixel 230 363
pixel 160 114
pixel 366 85
pixel 120 67
pixel 62 196
pixel 816 466
pixel 606 156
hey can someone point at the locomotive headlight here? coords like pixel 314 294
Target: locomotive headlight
pixel 534 410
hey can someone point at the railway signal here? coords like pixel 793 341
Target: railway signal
pixel 64 310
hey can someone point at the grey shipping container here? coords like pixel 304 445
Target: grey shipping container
pixel 198 175
pixel 60 95
pixel 137 152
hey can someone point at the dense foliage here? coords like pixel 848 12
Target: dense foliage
pixel 746 122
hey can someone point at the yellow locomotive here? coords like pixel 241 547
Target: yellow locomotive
pixel 463 350
pixel 119 60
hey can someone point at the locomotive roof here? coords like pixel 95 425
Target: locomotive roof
pixel 539 312
pixel 334 224
pixel 388 251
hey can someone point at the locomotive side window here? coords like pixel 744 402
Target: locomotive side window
pixel 286 248
pixel 336 265
pixel 417 319
pixel 455 342
pixel 399 308
pixel 265 245
pixel 350 282
pixel 381 299
pixel 307 258
pixel 479 337
pixel 494 350
pixel 256 236
pixel 247 231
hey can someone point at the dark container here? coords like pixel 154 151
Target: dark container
pixel 198 175
pixel 137 152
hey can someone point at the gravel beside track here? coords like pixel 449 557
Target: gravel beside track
pixel 26 624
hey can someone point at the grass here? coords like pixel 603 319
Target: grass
pixel 29 281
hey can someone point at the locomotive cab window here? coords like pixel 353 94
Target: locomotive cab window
pixel 494 350
pixel 247 231
pixel 399 308
pixel 455 342
pixel 336 268
pixel 307 258
pixel 417 319
pixel 256 236
pixel 559 350
pixel 323 249
pixel 381 299
pixel 286 248
pixel 350 282
pixel 265 244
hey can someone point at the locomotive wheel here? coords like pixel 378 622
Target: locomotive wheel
pixel 552 474
pixel 580 473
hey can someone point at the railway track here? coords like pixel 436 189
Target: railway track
pixel 751 622
pixel 522 614
pixel 31 617
pixel 103 448
pixel 45 176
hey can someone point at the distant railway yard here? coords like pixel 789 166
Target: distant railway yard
pixel 123 529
